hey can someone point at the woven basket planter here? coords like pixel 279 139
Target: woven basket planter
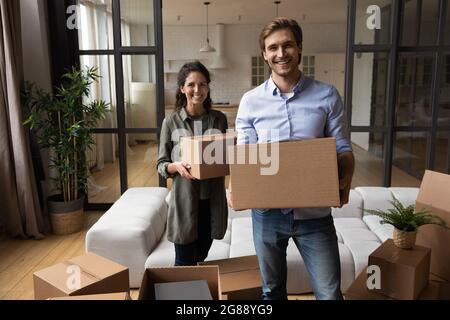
pixel 66 217
pixel 404 239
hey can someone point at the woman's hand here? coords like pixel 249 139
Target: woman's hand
pixel 182 168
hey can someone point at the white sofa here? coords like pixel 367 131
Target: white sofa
pixel 132 233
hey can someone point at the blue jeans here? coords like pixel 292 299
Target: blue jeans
pixel 315 239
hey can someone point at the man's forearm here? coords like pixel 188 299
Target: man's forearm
pixel 346 165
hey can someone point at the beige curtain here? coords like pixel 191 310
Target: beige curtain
pixel 20 213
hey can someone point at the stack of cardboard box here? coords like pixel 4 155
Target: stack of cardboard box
pixel 422 272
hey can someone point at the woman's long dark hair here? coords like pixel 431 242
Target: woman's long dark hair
pixel 185 70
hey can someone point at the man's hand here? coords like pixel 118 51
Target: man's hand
pixel 182 168
pixel 346 167
pixel 230 200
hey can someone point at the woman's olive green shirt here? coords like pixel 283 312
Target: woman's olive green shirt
pixel 183 206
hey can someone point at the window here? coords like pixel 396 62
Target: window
pixel 259 71
pixel 404 76
pixel 447 69
pixel 427 71
pixel 309 66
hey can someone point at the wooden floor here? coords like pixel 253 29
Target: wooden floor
pixel 19 259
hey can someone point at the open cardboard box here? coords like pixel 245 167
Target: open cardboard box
pixel 240 278
pixel 83 275
pixel 434 195
pixel 207 154
pixel 177 274
pixel 294 174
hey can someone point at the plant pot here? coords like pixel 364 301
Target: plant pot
pixel 404 239
pixel 66 217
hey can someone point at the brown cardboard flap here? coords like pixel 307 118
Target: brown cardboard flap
pixel 98 275
pixel 235 264
pixel 434 193
pixel 307 175
pixel 434 196
pixel 96 266
pixel 106 296
pixel 58 276
pixel 179 273
pixel 236 281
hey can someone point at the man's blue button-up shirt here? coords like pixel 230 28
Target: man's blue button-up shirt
pixel 312 110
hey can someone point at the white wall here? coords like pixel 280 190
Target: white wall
pixel 35 43
pixel 241 43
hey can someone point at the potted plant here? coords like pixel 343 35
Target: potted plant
pixel 406 222
pixel 62 122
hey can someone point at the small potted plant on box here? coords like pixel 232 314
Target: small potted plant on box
pixel 406 222
pixel 62 122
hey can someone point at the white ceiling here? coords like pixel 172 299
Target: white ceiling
pixel 193 12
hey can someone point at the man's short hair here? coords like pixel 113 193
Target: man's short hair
pixel 281 23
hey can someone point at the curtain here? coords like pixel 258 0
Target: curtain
pixel 20 215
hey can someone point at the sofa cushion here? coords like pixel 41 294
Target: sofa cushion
pixel 407 196
pixel 382 231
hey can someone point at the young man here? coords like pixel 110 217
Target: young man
pixel 300 108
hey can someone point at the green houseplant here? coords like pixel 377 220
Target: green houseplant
pixel 406 222
pixel 62 122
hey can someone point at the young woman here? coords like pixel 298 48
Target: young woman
pixel 198 211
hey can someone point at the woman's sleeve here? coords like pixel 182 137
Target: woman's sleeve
pixel 165 151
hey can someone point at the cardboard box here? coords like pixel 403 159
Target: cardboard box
pixel 435 290
pixel 240 278
pixel 358 290
pixel 291 174
pixel 177 274
pixel 106 296
pixel 434 196
pixel 207 154
pixel 83 275
pixel 404 273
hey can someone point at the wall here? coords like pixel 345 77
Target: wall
pixel 182 43
pixel 35 43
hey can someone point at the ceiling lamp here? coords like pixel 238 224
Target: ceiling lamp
pixel 276 4
pixel 207 48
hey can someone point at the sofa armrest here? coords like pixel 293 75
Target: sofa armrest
pixel 129 231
